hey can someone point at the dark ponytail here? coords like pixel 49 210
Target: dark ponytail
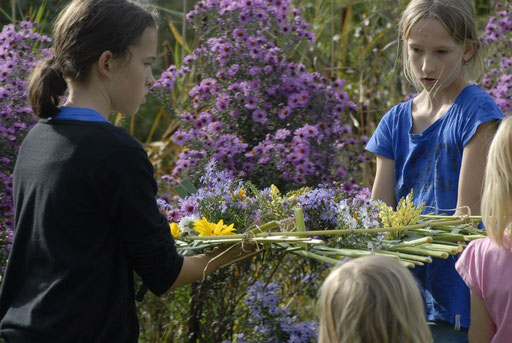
pixel 45 88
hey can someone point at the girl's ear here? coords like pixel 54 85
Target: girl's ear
pixel 469 51
pixel 105 64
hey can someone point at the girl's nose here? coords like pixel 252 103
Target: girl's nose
pixel 427 64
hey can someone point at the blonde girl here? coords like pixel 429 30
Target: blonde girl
pixel 486 264
pixel 436 143
pixel 371 299
pixel 84 192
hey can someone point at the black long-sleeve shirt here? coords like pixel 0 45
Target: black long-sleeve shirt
pixel 86 219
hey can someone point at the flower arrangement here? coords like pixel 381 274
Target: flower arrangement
pixel 261 116
pixel 498 80
pixel 20 50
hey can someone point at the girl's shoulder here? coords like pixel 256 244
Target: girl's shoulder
pixel 475 97
pixel 487 247
pixel 399 112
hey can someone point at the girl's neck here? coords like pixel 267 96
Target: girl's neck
pixel 442 98
pixel 88 97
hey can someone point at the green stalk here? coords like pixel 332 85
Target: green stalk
pixel 301 225
pixel 470 238
pixel 316 257
pixel 411 243
pixel 452 249
pixel 418 251
pixel 416 263
pixel 407 264
pixel 449 237
pixel 402 255
pixel 438 216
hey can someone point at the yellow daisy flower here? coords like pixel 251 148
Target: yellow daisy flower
pixel 175 230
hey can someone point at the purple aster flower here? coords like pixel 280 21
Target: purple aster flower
pixel 260 116
pixel 251 43
pixel 215 127
pixel 189 206
pixel 240 33
pixel 251 102
pixel 222 103
pixel 253 71
pixel 301 150
pixel 284 113
pixel 245 17
pixel 254 85
pixel 180 137
pixel 294 100
pixel 282 134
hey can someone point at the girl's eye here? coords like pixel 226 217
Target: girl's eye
pixel 415 50
pixel 442 52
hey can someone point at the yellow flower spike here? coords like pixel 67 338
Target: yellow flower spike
pixel 175 230
pixel 241 193
pixel 274 190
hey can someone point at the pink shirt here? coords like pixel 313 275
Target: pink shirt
pixel 487 270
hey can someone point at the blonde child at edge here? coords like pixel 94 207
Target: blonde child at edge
pixel 486 264
pixel 371 299
pixel 436 144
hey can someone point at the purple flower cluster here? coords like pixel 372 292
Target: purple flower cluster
pixel 220 196
pixel 498 81
pixel 359 211
pixel 319 206
pixel 271 322
pixel 259 115
pixel 16 118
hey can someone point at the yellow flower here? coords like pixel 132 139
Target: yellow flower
pixel 175 230
pixel 274 191
pixel 241 193
pixel 221 229
pixel 205 228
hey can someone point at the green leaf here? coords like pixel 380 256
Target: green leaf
pixel 189 186
pixel 6 14
pixel 182 192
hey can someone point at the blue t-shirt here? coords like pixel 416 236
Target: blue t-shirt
pixel 430 162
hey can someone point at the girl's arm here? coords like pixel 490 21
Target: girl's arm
pixel 384 184
pixel 474 158
pixel 196 267
pixel 482 328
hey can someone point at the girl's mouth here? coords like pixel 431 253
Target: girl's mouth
pixel 429 80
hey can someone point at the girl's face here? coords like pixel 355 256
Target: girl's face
pixel 434 58
pixel 132 76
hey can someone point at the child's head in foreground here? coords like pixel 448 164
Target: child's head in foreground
pixel 371 299
pixel 497 195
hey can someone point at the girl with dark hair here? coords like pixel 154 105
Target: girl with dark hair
pixel 84 191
